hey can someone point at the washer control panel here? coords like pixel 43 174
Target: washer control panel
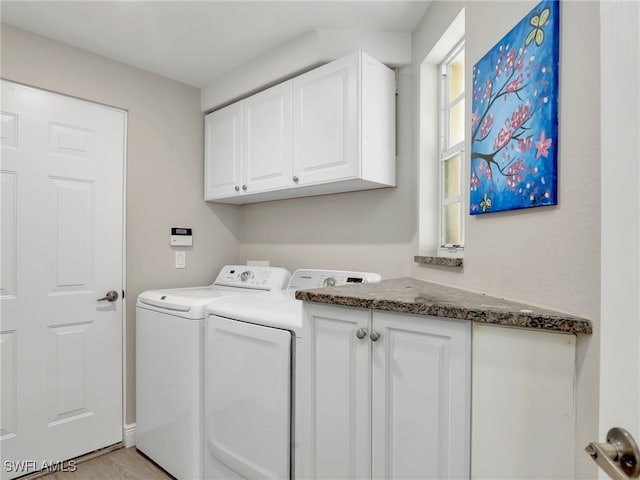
pixel 248 276
pixel 304 279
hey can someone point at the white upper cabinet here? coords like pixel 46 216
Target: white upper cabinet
pixel 329 130
pixel 223 162
pixel 266 150
pixel 326 142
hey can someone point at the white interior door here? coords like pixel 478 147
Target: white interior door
pixel 62 248
pixel 620 310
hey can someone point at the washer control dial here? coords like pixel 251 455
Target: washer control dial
pixel 329 282
pixel 244 276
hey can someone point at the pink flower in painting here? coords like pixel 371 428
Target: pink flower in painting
pixel 524 144
pixel 488 173
pixel 515 85
pixel 513 177
pixel 504 136
pixel 474 120
pixel 488 89
pixel 543 145
pixel 486 126
pixel 511 58
pixel 475 182
pixel 520 116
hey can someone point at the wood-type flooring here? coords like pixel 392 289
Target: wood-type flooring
pixel 118 464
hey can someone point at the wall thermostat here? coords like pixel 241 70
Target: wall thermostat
pixel 181 237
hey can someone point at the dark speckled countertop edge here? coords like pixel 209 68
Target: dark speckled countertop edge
pixel 440 301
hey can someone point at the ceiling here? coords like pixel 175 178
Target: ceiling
pixel 196 42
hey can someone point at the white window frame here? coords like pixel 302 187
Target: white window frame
pixel 447 152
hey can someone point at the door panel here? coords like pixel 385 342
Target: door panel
pixel 340 382
pixel 326 123
pixel 223 152
pixel 9 216
pixel 421 397
pixel 247 399
pixel 267 151
pixel 62 249
pixel 9 381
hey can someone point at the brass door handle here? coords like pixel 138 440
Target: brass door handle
pixel 619 457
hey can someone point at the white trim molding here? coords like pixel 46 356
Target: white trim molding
pixel 129 435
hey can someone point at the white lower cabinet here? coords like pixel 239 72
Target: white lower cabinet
pixel 387 395
pixel 523 404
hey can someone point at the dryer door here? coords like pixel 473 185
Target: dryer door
pixel 247 400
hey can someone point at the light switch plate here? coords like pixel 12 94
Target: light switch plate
pixel 181 259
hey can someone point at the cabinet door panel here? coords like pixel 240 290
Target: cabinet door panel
pixel 421 374
pixel 326 124
pixel 267 139
pixel 223 152
pixel 523 381
pixel 340 412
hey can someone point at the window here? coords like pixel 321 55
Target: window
pixel 441 141
pixel 451 151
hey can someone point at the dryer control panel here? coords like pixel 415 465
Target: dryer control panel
pixel 253 277
pixel 304 279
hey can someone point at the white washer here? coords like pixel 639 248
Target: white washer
pixel 251 346
pixel 169 364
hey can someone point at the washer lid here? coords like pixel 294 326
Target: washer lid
pixel 277 309
pixel 185 302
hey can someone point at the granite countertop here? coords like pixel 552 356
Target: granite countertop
pixel 408 295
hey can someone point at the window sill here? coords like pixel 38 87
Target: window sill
pixel 442 261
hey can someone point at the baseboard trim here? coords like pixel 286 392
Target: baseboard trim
pixel 129 435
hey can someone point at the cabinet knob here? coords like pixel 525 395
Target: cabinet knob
pixel 361 333
pixel 375 336
pixel 237 188
pixel 295 179
pixel 244 187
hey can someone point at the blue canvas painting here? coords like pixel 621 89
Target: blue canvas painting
pixel 514 119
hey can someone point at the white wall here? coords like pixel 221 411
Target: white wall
pixel 164 166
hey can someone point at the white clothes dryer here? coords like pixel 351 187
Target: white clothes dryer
pixel 251 347
pixel 169 364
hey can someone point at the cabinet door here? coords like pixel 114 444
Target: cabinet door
pixel 421 397
pixel 267 148
pixel 223 152
pixel 523 400
pixel 338 413
pixel 326 123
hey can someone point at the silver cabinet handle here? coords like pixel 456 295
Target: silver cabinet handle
pixel 244 187
pixel 295 179
pixel 111 296
pixel 361 333
pixel 375 336
pixel 619 457
pixel 237 188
